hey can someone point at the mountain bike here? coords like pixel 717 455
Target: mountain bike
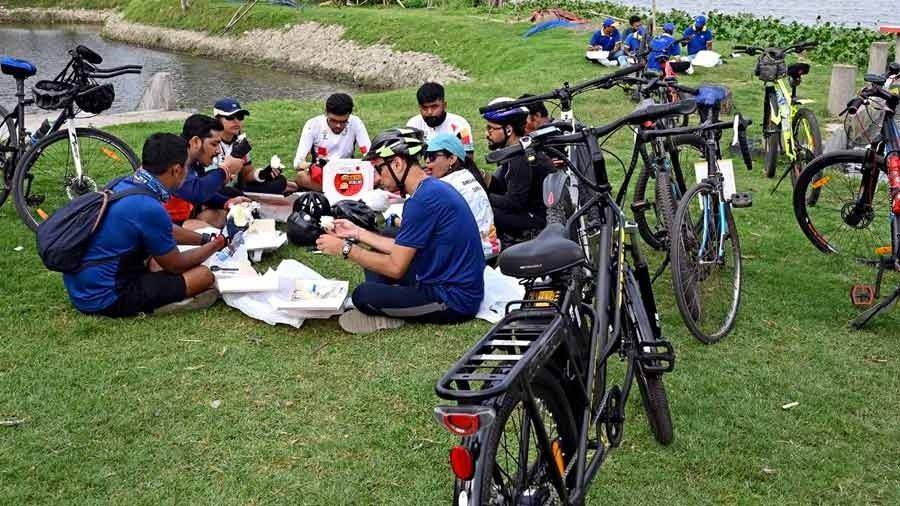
pixel 536 408
pixel 788 127
pixel 59 161
pixel 848 202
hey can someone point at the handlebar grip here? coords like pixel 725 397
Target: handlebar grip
pixel 117 69
pixel 503 154
pixel 853 105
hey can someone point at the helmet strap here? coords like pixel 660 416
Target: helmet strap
pixel 400 182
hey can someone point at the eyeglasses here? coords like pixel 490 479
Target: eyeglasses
pixel 491 127
pixel 333 123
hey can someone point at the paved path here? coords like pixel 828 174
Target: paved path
pixel 32 121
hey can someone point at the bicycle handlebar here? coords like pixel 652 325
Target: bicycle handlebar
pixel 775 51
pixel 111 74
pixel 116 69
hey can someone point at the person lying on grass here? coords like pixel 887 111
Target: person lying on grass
pixel 201 201
pixel 433 271
pixel 132 264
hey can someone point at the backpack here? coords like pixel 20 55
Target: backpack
pixel 63 240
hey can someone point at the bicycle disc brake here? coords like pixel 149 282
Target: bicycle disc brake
pixel 76 187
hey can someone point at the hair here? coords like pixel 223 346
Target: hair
pixel 634 19
pixel 340 104
pixel 537 108
pixel 200 125
pixel 161 151
pixel 430 92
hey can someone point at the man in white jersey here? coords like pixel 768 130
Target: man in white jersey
pixel 335 134
pixel 434 118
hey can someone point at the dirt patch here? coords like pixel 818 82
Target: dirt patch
pixel 53 16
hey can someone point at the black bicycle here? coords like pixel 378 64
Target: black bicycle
pixel 59 161
pixel 536 409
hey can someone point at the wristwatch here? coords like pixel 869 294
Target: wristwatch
pixel 345 251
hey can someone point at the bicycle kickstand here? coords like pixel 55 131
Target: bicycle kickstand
pixel 778 183
pixel 870 293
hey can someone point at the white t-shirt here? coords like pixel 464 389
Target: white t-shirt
pixel 463 181
pixel 453 124
pixel 317 135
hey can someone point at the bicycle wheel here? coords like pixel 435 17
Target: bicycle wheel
pixel 45 178
pixel 807 141
pixel 7 158
pixel 656 406
pixel 512 469
pixel 706 264
pixel 772 136
pixel 825 206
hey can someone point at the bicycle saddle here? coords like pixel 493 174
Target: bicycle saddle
pixel 796 70
pixel 19 69
pixel 551 251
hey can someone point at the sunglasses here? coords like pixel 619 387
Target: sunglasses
pixel 435 155
pixel 239 117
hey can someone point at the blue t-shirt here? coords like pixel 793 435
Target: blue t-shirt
pixel 633 41
pixel 663 44
pixel 438 223
pixel 698 40
pixel 134 229
pixel 606 42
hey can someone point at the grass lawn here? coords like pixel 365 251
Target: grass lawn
pixel 119 412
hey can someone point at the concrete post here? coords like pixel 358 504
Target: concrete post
pixel 878 57
pixel 843 87
pixel 897 48
pixel 160 93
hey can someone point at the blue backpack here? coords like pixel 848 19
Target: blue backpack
pixel 63 239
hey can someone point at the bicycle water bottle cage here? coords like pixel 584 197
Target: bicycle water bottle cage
pixel 551 251
pixel 741 200
pixel 18 69
pixel 862 295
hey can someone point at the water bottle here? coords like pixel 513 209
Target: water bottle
pixel 40 133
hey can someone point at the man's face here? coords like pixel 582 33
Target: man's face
pixel 608 30
pixel 434 109
pixel 383 177
pixel 204 150
pixel 337 122
pixel 636 25
pixel 439 164
pixel 233 124
pixel 496 135
pixel 534 122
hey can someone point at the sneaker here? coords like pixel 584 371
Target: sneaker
pixel 357 322
pixel 202 300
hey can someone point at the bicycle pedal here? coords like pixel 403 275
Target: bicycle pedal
pixel 741 200
pixel 862 295
pixel 657 357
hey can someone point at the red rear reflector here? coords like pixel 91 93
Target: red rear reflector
pixel 461 424
pixel 461 463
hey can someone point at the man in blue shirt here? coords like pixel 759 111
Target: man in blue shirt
pixel 608 39
pixel 118 277
pixel 632 45
pixel 434 270
pixel 699 37
pixel 662 46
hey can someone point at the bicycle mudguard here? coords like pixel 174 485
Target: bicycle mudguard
pixel 554 187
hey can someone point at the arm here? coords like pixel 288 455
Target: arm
pixel 518 186
pixel 177 262
pixel 362 138
pixel 185 236
pixel 393 264
pixel 198 190
pixel 307 136
pixel 376 241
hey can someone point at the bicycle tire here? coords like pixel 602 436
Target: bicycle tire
pixel 656 407
pixel 819 184
pixel 689 277
pixel 805 153
pixel 7 159
pixel 772 137
pixel 547 392
pixel 118 155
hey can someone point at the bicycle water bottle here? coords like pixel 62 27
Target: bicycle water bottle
pixel 40 132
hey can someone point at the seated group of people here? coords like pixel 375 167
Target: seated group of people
pixel 624 48
pixel 455 217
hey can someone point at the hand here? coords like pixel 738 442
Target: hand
pixel 269 173
pixel 330 244
pixel 232 166
pixel 235 201
pixel 241 148
pixel 346 229
pixel 219 241
pixel 321 162
pixel 487 177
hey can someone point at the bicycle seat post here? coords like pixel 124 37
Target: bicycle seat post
pixel 20 110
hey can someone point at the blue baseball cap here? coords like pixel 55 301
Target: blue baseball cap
pixel 700 21
pixel 608 22
pixel 449 143
pixel 228 107
pixel 669 27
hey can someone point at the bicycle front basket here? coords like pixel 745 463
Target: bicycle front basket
pixel 96 99
pixel 769 68
pixel 52 94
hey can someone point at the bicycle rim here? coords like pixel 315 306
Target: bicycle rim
pixel 46 178
pixel 826 210
pixel 7 158
pixel 706 265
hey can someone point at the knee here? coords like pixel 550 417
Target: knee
pixel 198 279
pixel 364 298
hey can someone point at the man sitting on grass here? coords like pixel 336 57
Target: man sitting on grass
pixel 132 265
pixel 433 118
pixel 433 271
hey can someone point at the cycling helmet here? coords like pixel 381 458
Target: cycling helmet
pixel 506 116
pixel 357 212
pixel 314 204
pixel 303 229
pixel 397 141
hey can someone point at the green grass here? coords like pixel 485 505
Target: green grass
pixel 118 412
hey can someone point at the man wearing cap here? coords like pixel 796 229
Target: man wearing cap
pixel 335 134
pixel 663 45
pixel 699 37
pixel 267 180
pixel 607 39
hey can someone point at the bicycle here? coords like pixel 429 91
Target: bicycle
pixel 532 396
pixel 837 201
pixel 705 248
pixel 788 126
pixel 47 168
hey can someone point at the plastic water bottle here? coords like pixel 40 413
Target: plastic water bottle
pixel 40 133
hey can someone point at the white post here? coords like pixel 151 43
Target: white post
pixel 878 56
pixel 842 89
pixel 160 93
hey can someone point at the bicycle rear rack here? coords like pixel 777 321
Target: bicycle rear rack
pixel 515 348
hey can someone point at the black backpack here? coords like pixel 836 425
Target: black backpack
pixel 63 239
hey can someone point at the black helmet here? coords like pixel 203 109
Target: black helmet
pixel 303 229
pixel 356 211
pixel 314 204
pixel 397 141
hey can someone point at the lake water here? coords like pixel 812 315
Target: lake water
pixel 198 81
pixel 871 13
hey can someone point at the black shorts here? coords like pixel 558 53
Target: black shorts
pixel 145 293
